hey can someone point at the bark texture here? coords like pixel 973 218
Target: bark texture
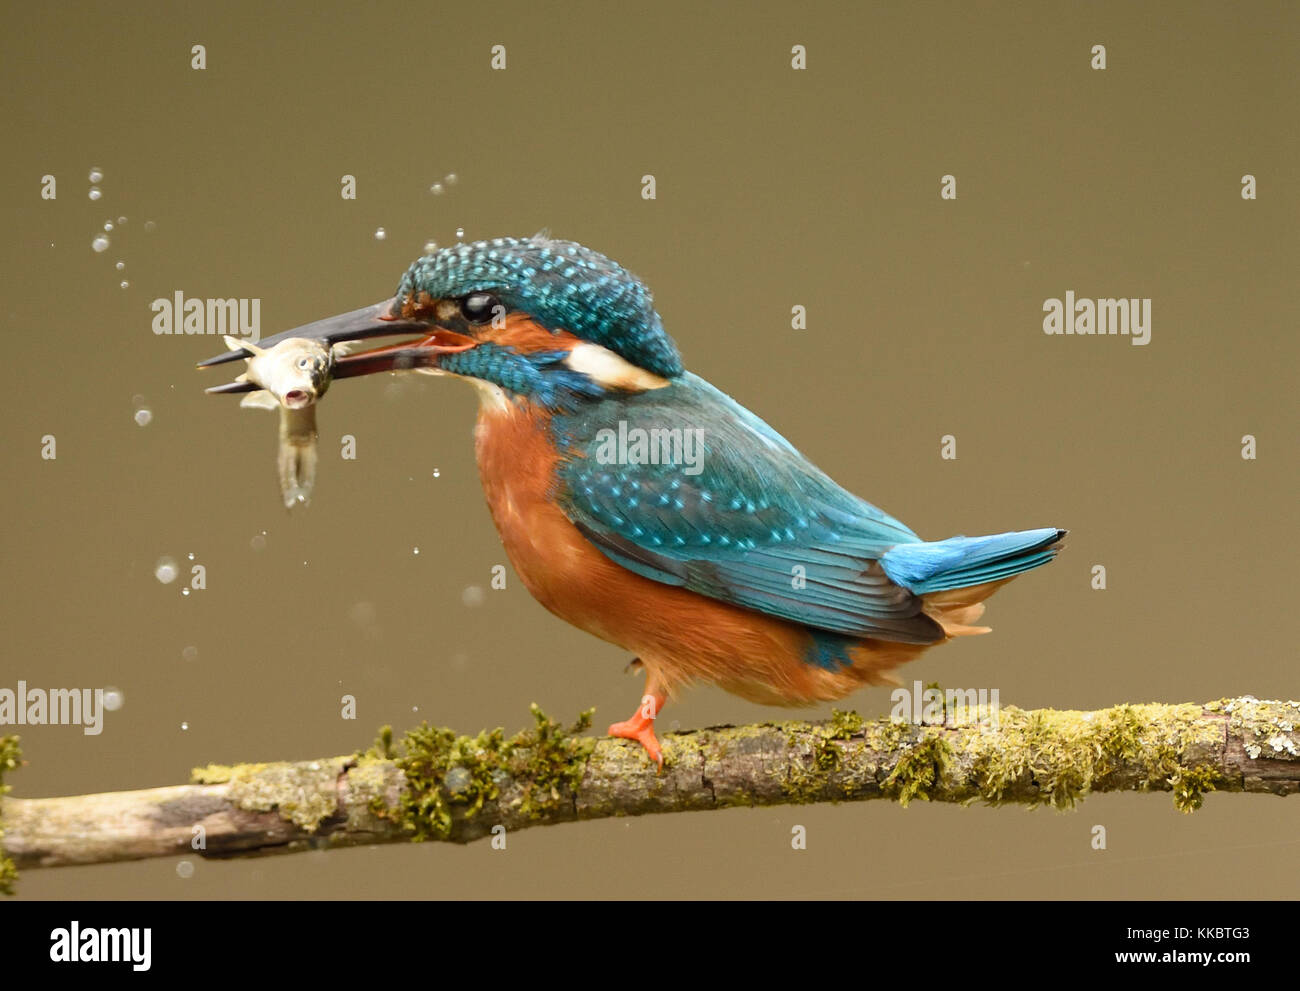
pixel 434 784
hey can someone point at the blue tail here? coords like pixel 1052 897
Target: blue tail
pixel 958 562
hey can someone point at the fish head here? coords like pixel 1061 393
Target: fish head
pixel 296 371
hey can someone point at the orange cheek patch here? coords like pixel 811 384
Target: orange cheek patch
pixel 526 336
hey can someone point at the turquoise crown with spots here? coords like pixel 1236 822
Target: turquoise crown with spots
pixel 562 285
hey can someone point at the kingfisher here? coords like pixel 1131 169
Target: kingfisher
pixel 645 506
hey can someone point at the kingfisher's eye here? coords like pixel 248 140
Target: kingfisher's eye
pixel 479 307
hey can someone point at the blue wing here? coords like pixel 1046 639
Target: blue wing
pixel 721 504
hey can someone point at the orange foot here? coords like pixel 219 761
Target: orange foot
pixel 641 727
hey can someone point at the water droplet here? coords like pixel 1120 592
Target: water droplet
pixel 185 591
pixel 96 175
pixel 258 543
pixel 451 178
pixel 108 225
pixel 124 284
pixel 185 725
pixel 113 698
pixel 437 473
pixel 190 654
pixel 100 243
pixel 185 870
pixel 120 265
pixel 415 708
pixel 121 221
pixel 94 193
pixel 460 232
pixel 143 417
pixel 430 247
pixel 417 550
pixel 190 555
pixel 149 225
pixel 165 570
pixel 380 234
pixel 473 595
pixel 436 189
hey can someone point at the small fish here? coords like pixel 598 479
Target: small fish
pixel 293 375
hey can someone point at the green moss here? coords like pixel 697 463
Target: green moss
pixel 943 698
pixel 10 760
pixel 886 734
pixel 805 784
pixel 220 774
pixel 555 759
pixel 382 748
pixel 844 725
pixel 1190 787
pixel 920 767
pixel 1044 757
pixel 449 776
pixel 1068 754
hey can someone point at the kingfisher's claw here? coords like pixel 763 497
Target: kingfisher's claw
pixel 643 732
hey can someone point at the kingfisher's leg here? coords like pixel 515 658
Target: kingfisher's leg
pixel 641 727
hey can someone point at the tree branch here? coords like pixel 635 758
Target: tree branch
pixel 436 785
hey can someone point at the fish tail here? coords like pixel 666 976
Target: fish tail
pixel 297 456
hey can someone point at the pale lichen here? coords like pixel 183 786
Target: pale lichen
pixel 302 792
pixel 1267 726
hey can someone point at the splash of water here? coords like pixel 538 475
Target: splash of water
pixel 165 570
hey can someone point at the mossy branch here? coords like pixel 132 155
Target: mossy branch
pixel 10 758
pixel 435 784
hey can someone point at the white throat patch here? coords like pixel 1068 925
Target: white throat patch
pixel 611 370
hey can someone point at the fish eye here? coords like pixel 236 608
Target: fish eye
pixel 478 307
pixel 304 363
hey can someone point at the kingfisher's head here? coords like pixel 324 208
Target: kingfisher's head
pixel 530 319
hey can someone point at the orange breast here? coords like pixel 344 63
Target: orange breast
pixel 678 635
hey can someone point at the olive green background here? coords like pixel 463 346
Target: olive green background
pixel 775 188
